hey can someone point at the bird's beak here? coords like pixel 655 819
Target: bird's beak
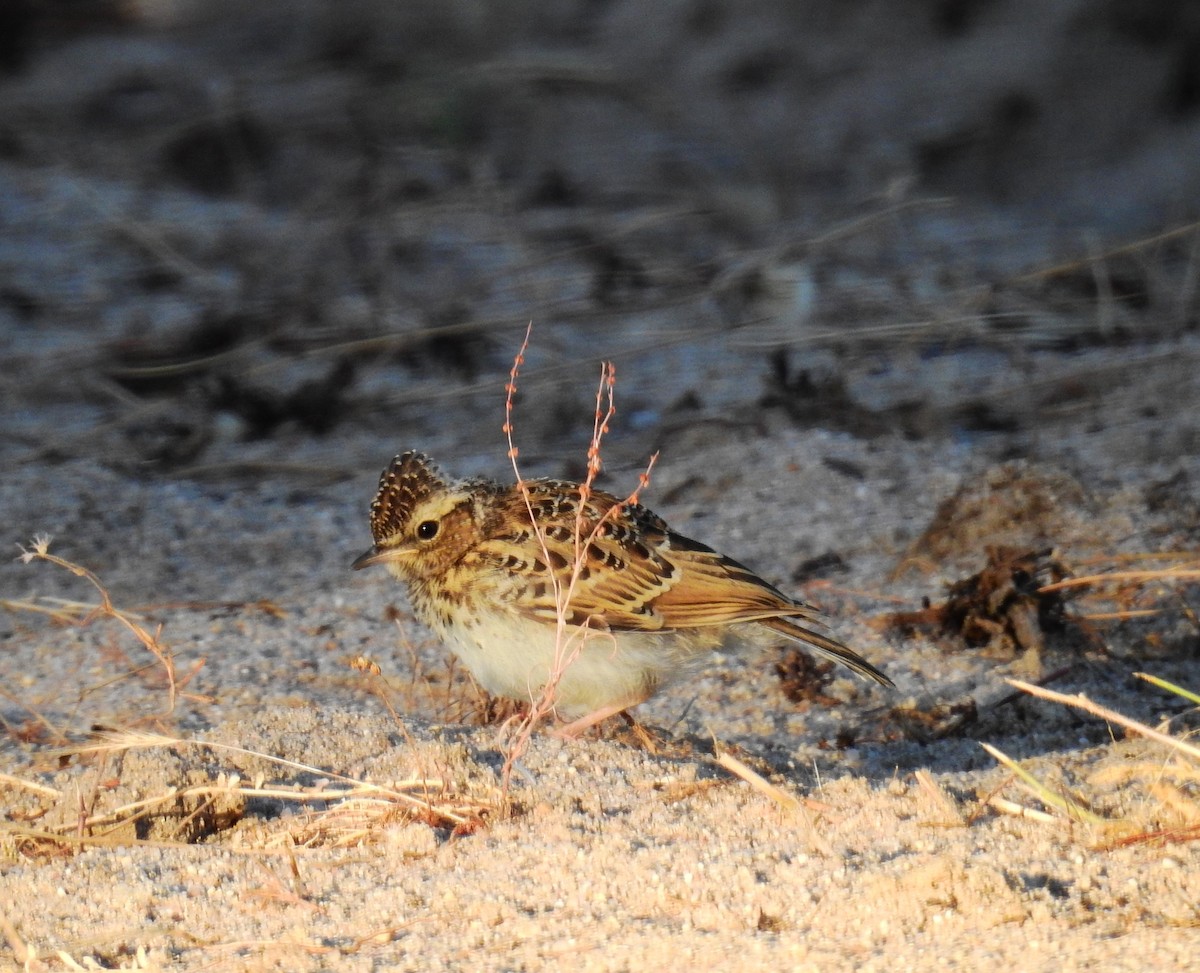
pixel 378 556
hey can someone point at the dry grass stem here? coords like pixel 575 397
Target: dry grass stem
pixel 1129 586
pixel 63 610
pixel 39 550
pixel 1046 795
pixel 1142 243
pixel 1160 574
pixel 782 798
pixel 23 952
pixel 738 768
pixel 951 816
pixel 1079 701
pixel 1119 616
pixel 1005 806
pixel 29 785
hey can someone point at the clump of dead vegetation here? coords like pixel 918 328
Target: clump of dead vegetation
pixel 1008 608
pixel 1023 603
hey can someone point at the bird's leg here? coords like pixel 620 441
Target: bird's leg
pixel 573 729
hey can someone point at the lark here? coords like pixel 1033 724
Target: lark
pixel 488 566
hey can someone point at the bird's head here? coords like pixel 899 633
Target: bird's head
pixel 421 522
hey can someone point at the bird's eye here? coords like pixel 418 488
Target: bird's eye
pixel 427 530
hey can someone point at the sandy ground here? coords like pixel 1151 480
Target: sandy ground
pixel 886 288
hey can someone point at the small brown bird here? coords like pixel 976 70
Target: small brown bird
pixel 643 604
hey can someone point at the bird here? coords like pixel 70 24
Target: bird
pixel 551 578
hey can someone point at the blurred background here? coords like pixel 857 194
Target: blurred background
pixel 289 239
pixel 901 290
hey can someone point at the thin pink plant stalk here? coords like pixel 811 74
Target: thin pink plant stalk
pixel 568 645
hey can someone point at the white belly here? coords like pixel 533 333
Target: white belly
pixel 513 656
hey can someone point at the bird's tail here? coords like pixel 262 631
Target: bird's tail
pixel 827 647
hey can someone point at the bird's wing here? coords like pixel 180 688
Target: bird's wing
pixel 625 568
pixel 607 554
pixel 717 590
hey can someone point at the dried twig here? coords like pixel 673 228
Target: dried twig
pixel 39 550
